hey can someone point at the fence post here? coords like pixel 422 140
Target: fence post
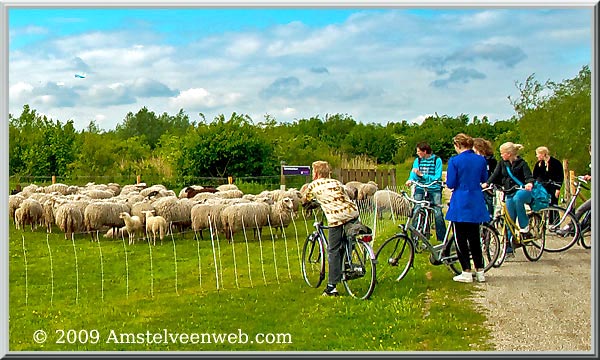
pixel 138 179
pixel 53 179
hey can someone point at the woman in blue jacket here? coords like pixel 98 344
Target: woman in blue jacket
pixel 465 173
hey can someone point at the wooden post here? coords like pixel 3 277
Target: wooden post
pixel 54 179
pixel 230 180
pixel 138 179
pixel 567 182
pixel 571 183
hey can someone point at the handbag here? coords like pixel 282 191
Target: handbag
pixel 540 198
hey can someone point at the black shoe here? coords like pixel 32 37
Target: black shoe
pixel 328 292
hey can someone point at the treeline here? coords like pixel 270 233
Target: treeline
pixel 180 150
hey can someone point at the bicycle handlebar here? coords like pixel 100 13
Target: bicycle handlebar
pixel 431 184
pixel 414 201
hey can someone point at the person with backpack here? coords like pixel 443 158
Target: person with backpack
pixel 513 170
pixel 426 169
pixel 549 171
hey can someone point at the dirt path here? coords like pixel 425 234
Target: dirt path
pixel 541 306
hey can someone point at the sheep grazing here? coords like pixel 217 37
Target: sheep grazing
pixel 69 218
pixel 227 187
pixel 133 224
pixel 175 211
pixel 112 234
pixel 388 200
pixel 155 224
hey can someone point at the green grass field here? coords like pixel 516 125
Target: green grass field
pixel 109 296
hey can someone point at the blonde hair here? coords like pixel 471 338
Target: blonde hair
pixel 464 141
pixel 542 150
pixel 483 146
pixel 510 148
pixel 321 168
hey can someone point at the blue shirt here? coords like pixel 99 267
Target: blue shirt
pixel 464 175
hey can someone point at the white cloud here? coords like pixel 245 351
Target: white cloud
pixel 199 97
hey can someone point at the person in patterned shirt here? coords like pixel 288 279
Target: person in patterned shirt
pixel 339 210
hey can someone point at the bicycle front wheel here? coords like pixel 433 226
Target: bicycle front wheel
pixel 562 229
pixel 359 276
pixel 395 257
pixel 498 225
pixel 534 248
pixel 313 260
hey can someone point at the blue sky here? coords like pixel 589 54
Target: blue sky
pixel 377 65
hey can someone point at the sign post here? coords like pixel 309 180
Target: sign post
pixel 292 170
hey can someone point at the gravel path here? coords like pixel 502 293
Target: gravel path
pixel 541 306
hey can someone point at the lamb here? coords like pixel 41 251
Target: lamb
pixel 133 224
pixel 138 209
pixel 69 218
pixel 20 218
pixel 112 234
pixel 392 201
pixel 155 224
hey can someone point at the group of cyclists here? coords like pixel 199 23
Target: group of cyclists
pixel 469 175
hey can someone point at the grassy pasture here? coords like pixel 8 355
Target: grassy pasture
pixel 85 295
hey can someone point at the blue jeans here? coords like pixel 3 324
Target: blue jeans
pixel 515 203
pixel 435 198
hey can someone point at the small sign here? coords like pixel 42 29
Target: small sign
pixel 296 170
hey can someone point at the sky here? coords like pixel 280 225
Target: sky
pixel 377 65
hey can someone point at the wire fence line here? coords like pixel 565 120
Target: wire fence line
pixel 111 269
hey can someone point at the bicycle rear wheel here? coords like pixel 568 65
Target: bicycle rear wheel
pixel 490 248
pixel 313 260
pixel 534 248
pixel 562 229
pixel 359 276
pixel 395 257
pixel 585 233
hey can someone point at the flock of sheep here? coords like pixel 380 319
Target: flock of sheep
pixel 140 211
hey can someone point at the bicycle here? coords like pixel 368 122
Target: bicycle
pixel 359 267
pixel 398 252
pixel 532 248
pixel 566 229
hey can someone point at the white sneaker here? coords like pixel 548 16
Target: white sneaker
pixel 465 277
pixel 479 276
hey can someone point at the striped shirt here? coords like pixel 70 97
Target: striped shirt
pixel 431 168
pixel 336 204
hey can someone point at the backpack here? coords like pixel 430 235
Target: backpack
pixel 540 198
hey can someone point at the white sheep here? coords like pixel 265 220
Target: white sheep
pixel 14 201
pixel 139 207
pixel 226 187
pixel 245 215
pixel 155 224
pixel 174 211
pixel 103 213
pixel 32 213
pixel 207 216
pixel 20 218
pixel 69 218
pixel 280 214
pixel 133 224
pixel 388 200
pixel 112 234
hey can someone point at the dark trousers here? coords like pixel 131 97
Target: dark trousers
pixel 335 251
pixel 467 239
